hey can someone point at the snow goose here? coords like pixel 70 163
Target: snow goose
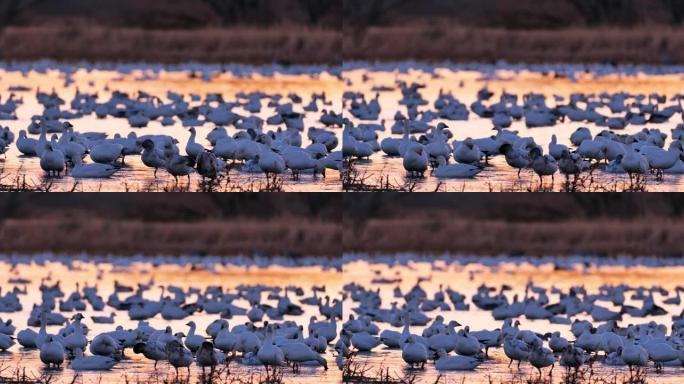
pixel 152 350
pixel 297 353
pixel 634 355
pixel 192 148
pixel 414 353
pixel 541 357
pixel 208 357
pixel 193 341
pixel 516 350
pixel 572 357
pixel 456 363
pixel 455 171
pixel 178 356
pixel 209 166
pixel 557 343
pixel 25 145
pixel 556 149
pixel 152 156
pixel 7 327
pixel 298 160
pixel 52 352
pixel 105 345
pixel 91 363
pixel 269 354
pixel 415 160
pixel 52 160
pixel 92 171
pixel 580 134
pixel 226 148
pixel 226 341
pixel 515 157
pixel 104 319
pixel 6 342
pixel 364 342
pixel 543 165
pixel 179 166
pixel 466 344
pixel 106 152
pixel 467 152
pixel 27 338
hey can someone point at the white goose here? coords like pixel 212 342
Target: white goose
pixel 91 363
pixel 456 363
pixel 269 354
pixel 106 152
pixel 92 171
pixel 414 353
pixel 193 341
pixel 52 160
pixel 52 353
pixel 192 148
pixel 455 171
pixel 25 145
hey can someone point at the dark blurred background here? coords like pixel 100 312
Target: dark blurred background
pixel 513 224
pixel 298 224
pixel 173 14
pixel 328 31
pixel 248 31
pixel 612 31
pixel 518 14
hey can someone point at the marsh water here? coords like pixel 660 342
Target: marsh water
pixel 103 274
pixel 464 82
pixel 465 276
pixel 157 81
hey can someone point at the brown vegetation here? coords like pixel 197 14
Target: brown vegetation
pixel 444 41
pixel 283 236
pixel 176 14
pixel 445 234
pixel 528 31
pixel 519 14
pixel 510 224
pixel 172 224
pixel 180 207
pixel 76 42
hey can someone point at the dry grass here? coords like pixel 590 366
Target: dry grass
pixel 220 375
pixel 280 236
pixel 354 180
pixel 444 41
pixel 75 42
pixel 357 372
pixel 447 233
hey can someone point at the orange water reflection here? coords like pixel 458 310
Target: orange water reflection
pixel 466 279
pixel 135 366
pixel 135 176
pixel 464 85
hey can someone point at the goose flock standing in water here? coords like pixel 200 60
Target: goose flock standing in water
pixel 438 325
pixel 60 332
pixel 242 138
pixel 620 133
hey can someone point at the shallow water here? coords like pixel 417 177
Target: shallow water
pixel 465 277
pixel 135 367
pixel 135 176
pixel 465 81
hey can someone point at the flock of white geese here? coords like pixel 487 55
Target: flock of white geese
pixel 430 333
pixel 265 339
pixel 419 132
pixel 240 138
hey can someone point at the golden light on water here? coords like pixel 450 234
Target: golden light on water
pixel 136 176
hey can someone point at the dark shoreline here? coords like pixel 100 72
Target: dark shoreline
pixel 293 44
pixel 283 44
pixel 445 42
